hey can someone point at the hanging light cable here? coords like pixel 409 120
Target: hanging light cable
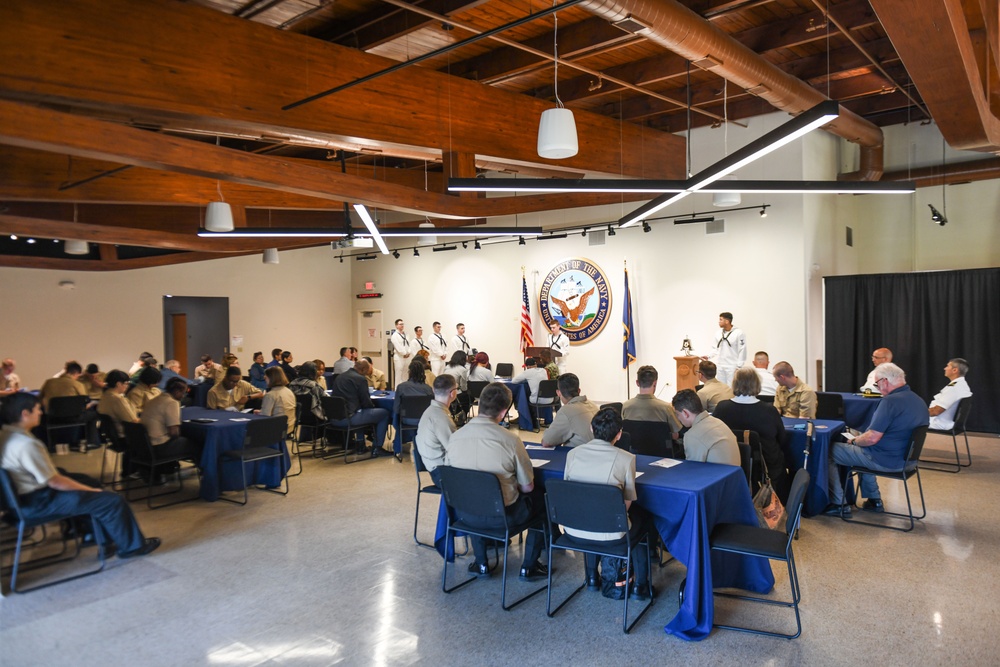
pixel 557 128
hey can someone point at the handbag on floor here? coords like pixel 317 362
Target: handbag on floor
pixel 770 512
pixel 613 584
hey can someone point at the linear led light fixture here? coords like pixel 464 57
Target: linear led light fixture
pixel 806 122
pixel 370 226
pixel 564 185
pixel 444 248
pixel 814 187
pixel 694 221
pixel 393 232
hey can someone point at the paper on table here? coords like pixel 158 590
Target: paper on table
pixel 240 419
pixel 530 446
pixel 538 463
pixel 639 474
pixel 666 463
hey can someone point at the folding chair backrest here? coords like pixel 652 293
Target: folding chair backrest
pixel 649 438
pixel 797 495
pixel 412 407
pixel 547 389
pixel 766 399
pixel 597 508
pixel 8 498
pixel 266 432
pixel 472 491
pixel 418 460
pixel 916 447
pixel 137 440
pixel 504 371
pixel 746 460
pixel 66 407
pixel 829 405
pixel 617 407
pixel 335 407
pixel 962 414
pixel 109 433
pixel 476 388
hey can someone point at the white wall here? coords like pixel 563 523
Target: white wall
pixel 109 318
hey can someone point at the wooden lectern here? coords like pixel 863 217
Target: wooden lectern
pixel 536 351
pixel 687 367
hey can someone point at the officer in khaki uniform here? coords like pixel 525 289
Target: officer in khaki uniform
pixel 646 407
pixel 146 389
pixel 572 423
pixel 794 397
pixel 232 393
pixel 714 391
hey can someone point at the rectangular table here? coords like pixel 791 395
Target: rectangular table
pixel 222 435
pixel 817 496
pixel 858 409
pixel 686 502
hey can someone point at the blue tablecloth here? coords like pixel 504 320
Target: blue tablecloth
pixel 520 396
pixel 223 435
pixel 687 501
pixel 385 402
pixel 858 410
pixel 817 496
pixel 199 393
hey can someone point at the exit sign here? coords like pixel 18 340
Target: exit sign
pixel 369 287
pixel 369 295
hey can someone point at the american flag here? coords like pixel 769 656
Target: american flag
pixel 526 340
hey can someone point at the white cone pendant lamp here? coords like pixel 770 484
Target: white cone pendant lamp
pixel 219 217
pixel 557 128
pixel 270 255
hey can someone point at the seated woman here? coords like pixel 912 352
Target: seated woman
pixel 415 385
pixel 746 412
pixel 481 371
pixel 145 389
pixel 456 368
pixel 320 379
pixel 113 403
pixel 305 385
pixel 93 380
pixel 279 399
pixel 257 369
pixel 425 358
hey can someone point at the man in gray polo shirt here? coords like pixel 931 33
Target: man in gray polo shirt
pixel 483 444
pixel 436 426
pixel 572 423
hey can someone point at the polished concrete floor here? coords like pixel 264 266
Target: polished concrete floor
pixel 330 575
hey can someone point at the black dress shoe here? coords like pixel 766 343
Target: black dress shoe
pixel 149 545
pixel 534 573
pixel 642 592
pixel 479 570
pixel 593 583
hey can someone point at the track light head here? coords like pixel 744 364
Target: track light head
pixel 477 246
pixel 584 232
pixel 763 211
pixel 611 230
pixel 520 240
pixel 645 227
pixel 465 245
pixel 395 254
pixel 937 217
pixel 416 253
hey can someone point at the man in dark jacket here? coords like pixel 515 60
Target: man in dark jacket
pixel 352 386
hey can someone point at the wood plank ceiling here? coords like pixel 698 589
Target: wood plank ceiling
pixel 164 104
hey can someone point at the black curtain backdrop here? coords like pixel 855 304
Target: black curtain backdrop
pixel 925 319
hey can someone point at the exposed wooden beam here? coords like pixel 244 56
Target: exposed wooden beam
pixel 59 264
pixel 146 62
pixel 371 30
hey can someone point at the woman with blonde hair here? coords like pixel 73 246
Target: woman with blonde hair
pixel 279 399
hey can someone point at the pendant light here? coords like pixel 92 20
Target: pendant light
pixel 219 215
pixel 270 255
pixel 726 198
pixel 557 128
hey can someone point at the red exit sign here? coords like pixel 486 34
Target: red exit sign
pixel 369 295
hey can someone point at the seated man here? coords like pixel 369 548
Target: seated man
pixel 713 391
pixel 600 462
pixel 533 375
pixel 348 355
pixel 883 355
pixel 375 377
pixel 708 439
pixel 436 426
pixel 44 491
pixel 171 369
pixel 646 407
pixel 884 445
pixel 353 388
pixel 794 397
pixel 113 402
pixel 945 404
pixel 572 423
pixel 9 380
pixel 68 384
pixel 162 419
pixel 483 444
pixel 146 389
pixel 208 370
pixel 275 358
pixel 768 386
pixel 233 392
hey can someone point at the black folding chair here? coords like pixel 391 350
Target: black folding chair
pixel 766 399
pixel 752 440
pixel 829 406
pixel 616 406
pixel 958 428
pixel 143 455
pixel 546 390
pixel 433 489
pixel 65 412
pixel 771 544
pixel 411 408
pixel 10 506
pixel 504 371
pixel 746 462
pixel 597 508
pixel 265 440
pixel 335 408
pixel 911 467
pixel 478 493
pixel 475 389
pixel 115 444
pixel 306 422
pixel 649 438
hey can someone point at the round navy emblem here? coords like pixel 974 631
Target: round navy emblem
pixel 576 294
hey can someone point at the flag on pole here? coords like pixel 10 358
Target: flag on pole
pixel 628 333
pixel 526 339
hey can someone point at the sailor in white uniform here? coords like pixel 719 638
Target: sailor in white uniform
pixel 730 349
pixel 460 342
pixel 438 349
pixel 418 343
pixel 559 342
pixel 401 354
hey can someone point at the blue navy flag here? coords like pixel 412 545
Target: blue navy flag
pixel 628 333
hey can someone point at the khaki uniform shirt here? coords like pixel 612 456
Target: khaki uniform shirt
pixel 709 440
pixel 280 401
pixel 25 459
pixel 713 393
pixel 160 413
pixel 648 408
pixel 799 401
pixel 484 445
pixel 215 373
pixel 142 394
pixel 219 398
pixel 600 462
pixel 61 386
pixel 433 434
pixel 572 424
pixel 118 408
pixel 377 379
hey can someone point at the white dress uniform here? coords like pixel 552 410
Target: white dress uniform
pixel 416 345
pixel 768 385
pixel 461 343
pixel 730 353
pixel 401 347
pixel 560 343
pixel 948 399
pixel 869 387
pixel 439 352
